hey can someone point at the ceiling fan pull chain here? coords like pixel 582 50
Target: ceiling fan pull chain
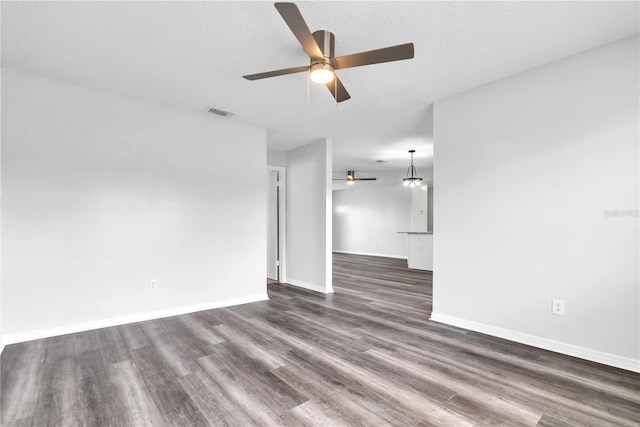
pixel 335 89
pixel 308 89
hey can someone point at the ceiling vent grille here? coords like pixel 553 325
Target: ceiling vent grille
pixel 219 112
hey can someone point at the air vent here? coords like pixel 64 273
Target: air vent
pixel 219 112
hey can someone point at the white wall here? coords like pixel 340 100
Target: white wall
pixel 430 209
pixel 276 157
pixel 103 193
pixel 366 220
pixel 526 169
pixel 308 192
pixel 1 336
pixel 419 208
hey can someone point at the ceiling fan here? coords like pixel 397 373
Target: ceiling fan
pixel 351 178
pixel 320 48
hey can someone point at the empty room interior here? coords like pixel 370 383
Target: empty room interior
pixel 320 213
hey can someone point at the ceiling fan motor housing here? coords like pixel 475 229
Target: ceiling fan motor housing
pixel 327 43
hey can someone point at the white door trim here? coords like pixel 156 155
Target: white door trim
pixel 282 226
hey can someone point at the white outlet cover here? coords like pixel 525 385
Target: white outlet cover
pixel 557 307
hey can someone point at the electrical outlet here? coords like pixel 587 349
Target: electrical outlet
pixel 557 307
pixel 421 249
pixel 153 285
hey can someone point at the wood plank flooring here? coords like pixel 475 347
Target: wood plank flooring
pixel 364 356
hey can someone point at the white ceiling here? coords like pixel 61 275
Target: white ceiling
pixel 191 55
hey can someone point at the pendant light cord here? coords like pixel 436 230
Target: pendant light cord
pixel 412 178
pixel 411 169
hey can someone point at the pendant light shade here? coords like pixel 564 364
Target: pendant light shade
pixel 412 179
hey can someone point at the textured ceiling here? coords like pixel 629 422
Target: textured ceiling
pixel 191 55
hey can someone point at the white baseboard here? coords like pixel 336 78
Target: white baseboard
pixel 123 320
pixel 370 254
pixel 309 286
pixel 544 343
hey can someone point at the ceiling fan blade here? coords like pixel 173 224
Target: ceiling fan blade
pixel 343 95
pixel 276 73
pixel 299 28
pixel 387 54
pixel 365 179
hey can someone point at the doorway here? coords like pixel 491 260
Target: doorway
pixel 275 224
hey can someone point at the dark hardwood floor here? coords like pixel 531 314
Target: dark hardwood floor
pixel 366 355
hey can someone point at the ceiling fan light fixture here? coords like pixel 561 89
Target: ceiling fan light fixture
pixel 322 72
pixel 351 178
pixel 412 179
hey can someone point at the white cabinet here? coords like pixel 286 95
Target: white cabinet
pixel 420 251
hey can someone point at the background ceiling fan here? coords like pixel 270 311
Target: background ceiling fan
pixel 351 178
pixel 320 48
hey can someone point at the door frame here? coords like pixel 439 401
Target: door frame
pixel 282 221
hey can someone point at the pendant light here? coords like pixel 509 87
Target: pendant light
pixel 412 179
